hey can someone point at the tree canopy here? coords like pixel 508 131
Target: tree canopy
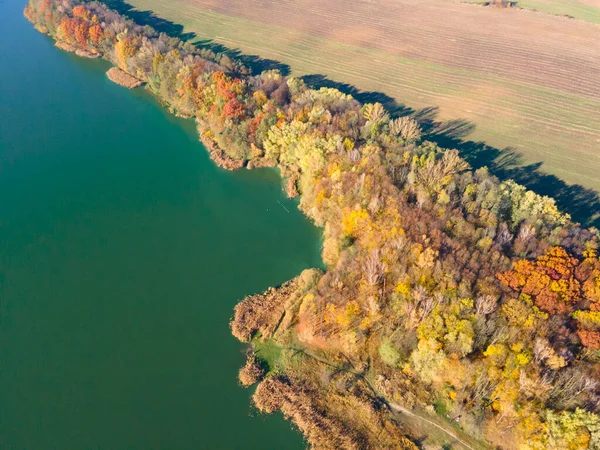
pixel 460 293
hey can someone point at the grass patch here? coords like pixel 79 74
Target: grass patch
pixel 268 353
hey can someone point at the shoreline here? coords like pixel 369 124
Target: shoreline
pixel 122 78
pixel 417 249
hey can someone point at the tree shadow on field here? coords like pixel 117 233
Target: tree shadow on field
pixel 581 203
pixel 150 19
pixel 254 62
pixel 393 107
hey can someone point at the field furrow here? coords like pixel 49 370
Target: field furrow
pixel 525 80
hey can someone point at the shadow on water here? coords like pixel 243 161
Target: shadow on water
pixel 582 203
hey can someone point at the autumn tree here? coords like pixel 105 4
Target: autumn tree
pixel 67 28
pixel 233 109
pixel 96 33
pixel 81 34
pixel 424 289
pixel 560 282
pixel 81 12
pixel 550 280
pixel 125 48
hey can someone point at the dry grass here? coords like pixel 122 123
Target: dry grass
pixel 122 78
pixel 330 419
pixel 526 80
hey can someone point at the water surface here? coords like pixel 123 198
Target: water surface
pixel 123 250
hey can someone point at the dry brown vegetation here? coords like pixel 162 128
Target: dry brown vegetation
pixel 329 420
pixel 64 46
pixel 260 312
pixel 251 372
pixel 87 54
pixel 264 313
pixel 216 153
pixel 122 78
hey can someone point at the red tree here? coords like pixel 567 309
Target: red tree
pixel 589 339
pixel 81 12
pixel 550 280
pixel 81 34
pixel 558 282
pixel 233 109
pixel 67 27
pixel 96 34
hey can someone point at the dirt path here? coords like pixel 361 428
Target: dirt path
pixel 393 406
pixel 408 412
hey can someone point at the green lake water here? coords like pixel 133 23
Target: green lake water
pixel 123 251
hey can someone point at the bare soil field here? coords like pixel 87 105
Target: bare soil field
pixel 525 83
pixel 588 10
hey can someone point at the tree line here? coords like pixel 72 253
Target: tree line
pixel 469 296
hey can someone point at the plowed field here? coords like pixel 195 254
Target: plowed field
pixel 526 80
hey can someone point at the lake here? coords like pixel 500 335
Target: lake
pixel 123 251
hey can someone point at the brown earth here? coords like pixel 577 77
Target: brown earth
pixel 525 83
pixel 593 3
pixel 521 45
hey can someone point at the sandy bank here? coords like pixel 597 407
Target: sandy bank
pixel 41 28
pixel 122 78
pixel 66 47
pixel 78 51
pixel 86 54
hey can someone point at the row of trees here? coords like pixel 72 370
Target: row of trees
pixel 470 295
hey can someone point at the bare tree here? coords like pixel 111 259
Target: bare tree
pixel 526 232
pixel 568 385
pixel 537 387
pixel 435 173
pixel 400 242
pixel 373 267
pixel 407 128
pixel 483 387
pixel 419 306
pixel 354 155
pixel 375 112
pixel 504 236
pixel 486 304
pixel 422 197
pixel 541 351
